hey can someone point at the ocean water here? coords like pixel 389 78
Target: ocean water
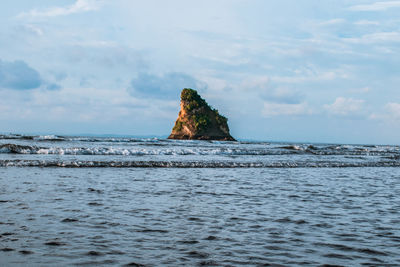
pixel 155 202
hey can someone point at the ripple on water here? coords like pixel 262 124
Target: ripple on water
pixel 134 264
pixel 7 249
pixel 197 254
pixel 68 220
pixel 55 243
pixel 202 217
pixel 25 252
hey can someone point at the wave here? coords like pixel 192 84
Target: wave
pixel 17 149
pixel 184 147
pixel 52 138
pixel 351 150
pixel 58 138
pixel 191 164
pixel 196 150
pixel 23 149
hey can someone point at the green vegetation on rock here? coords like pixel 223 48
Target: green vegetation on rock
pixel 192 99
pixel 219 118
pixel 178 125
pixel 201 121
pixel 189 94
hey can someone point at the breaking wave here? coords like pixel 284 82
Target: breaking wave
pixel 137 151
pixel 126 152
pixel 199 150
pixel 33 137
pixel 191 164
pixel 58 138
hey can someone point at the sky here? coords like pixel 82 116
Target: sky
pixel 279 70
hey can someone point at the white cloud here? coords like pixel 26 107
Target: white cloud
pixel 255 82
pixel 393 109
pixel 278 109
pixel 389 114
pixel 77 7
pixel 378 37
pixel 377 6
pixel 82 105
pixel 345 106
pixel 32 29
pixel 332 22
pixel 283 95
pixel 95 44
pixel 313 74
pixel 262 87
pixel 366 22
pixel 360 90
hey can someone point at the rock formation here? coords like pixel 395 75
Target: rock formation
pixel 197 120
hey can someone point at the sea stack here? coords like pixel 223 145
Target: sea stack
pixel 198 121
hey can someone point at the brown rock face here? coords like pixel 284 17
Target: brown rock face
pixel 197 120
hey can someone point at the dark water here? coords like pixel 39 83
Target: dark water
pixel 197 203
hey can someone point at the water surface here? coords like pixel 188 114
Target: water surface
pixel 196 203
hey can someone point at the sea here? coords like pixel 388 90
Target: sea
pixel 123 201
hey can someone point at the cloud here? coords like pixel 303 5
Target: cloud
pixel 264 88
pixel 313 74
pixel 389 114
pixel 78 7
pixel 30 29
pixel 283 95
pixel 332 22
pixel 393 109
pixel 345 106
pixel 107 56
pixel 361 90
pixel 90 106
pixel 19 76
pixel 166 86
pixel 53 86
pixel 378 37
pixel 278 109
pixel 59 75
pixel 377 6
pixel 366 23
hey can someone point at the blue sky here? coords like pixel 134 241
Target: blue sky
pixel 280 70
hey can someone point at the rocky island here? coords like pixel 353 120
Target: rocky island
pixel 197 120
